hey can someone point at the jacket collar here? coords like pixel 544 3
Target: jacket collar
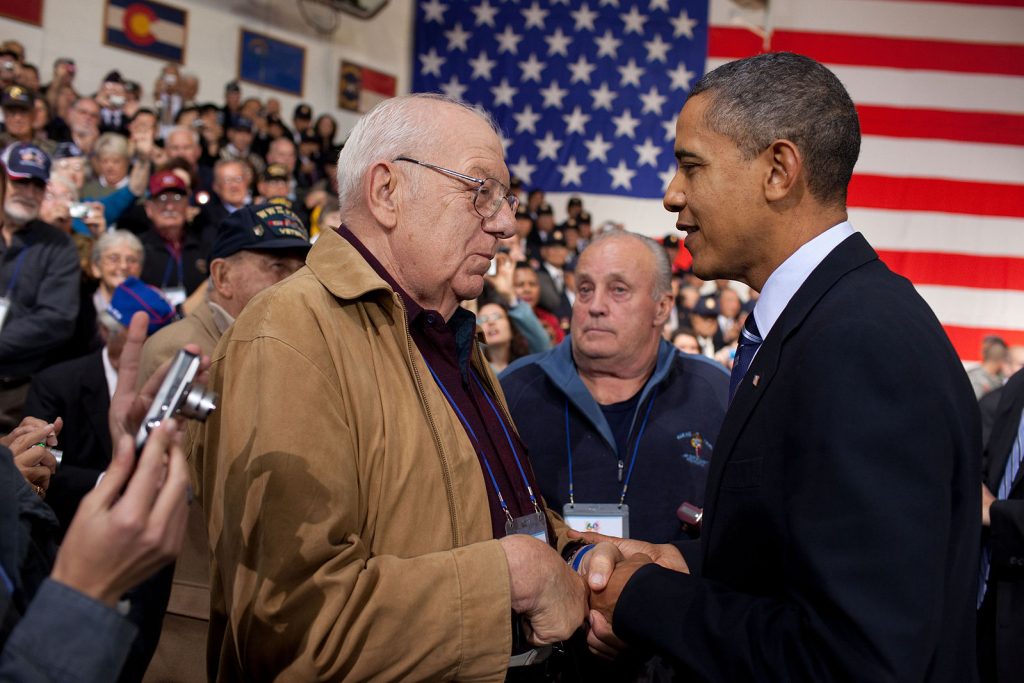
pixel 342 269
pixel 559 366
pixel 849 255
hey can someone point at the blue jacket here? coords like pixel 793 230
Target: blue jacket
pixel 690 393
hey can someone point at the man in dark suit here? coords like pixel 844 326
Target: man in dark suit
pixel 840 534
pixel 1000 617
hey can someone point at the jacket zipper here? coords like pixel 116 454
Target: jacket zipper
pixel 449 488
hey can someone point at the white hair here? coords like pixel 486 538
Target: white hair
pixel 111 143
pixel 116 238
pixel 397 126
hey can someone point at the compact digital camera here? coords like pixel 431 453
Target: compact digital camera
pixel 179 394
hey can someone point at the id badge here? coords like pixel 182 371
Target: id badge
pixel 175 296
pixel 604 518
pixel 5 307
pixel 534 524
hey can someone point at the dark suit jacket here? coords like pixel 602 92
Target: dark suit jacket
pixel 840 536
pixel 1001 620
pixel 76 391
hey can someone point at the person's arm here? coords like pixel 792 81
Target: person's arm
pixel 868 537
pixel 448 609
pixel 525 319
pixel 51 320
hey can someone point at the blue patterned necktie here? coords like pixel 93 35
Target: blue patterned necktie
pixel 1013 464
pixel 747 345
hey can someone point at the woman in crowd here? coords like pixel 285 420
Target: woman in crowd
pixel 326 130
pixel 527 288
pixel 117 255
pixel 504 342
pixel 111 161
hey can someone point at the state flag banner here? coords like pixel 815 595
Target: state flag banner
pixel 586 93
pixel 150 28
pixel 29 11
pixel 361 88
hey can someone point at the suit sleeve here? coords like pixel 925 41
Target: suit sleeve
pixel 867 495
pixel 305 598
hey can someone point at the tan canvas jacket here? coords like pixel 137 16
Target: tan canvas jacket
pixel 349 524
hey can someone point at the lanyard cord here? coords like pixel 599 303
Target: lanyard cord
pixel 17 271
pixel 508 437
pixel 476 441
pixel 636 449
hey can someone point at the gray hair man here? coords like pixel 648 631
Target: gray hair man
pixel 371 511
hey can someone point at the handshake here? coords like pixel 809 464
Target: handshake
pixel 554 600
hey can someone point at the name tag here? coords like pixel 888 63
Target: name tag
pixel 5 307
pixel 534 524
pixel 175 296
pixel 603 518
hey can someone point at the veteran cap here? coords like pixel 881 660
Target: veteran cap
pixel 263 227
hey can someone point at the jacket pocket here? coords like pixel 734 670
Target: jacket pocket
pixel 742 474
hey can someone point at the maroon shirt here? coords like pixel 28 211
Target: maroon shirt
pixel 446 347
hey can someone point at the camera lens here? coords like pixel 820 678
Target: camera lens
pixel 198 403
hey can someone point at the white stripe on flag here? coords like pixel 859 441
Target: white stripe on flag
pixel 970 307
pixel 940 232
pixel 164 31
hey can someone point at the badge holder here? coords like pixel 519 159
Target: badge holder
pixel 603 518
pixel 175 296
pixel 535 524
pixel 5 307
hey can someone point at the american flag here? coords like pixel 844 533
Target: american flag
pixel 939 85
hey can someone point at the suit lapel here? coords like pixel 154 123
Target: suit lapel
pixel 1002 440
pixel 96 396
pixel 850 254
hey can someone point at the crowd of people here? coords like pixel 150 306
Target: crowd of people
pixel 451 428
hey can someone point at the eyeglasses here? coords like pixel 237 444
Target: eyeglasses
pixel 169 198
pixel 493 317
pixel 118 259
pixel 490 193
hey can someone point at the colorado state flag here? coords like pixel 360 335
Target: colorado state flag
pixel 151 28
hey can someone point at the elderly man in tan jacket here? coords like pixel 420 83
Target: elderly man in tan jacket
pixel 372 512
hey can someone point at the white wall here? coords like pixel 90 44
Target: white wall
pixel 74 28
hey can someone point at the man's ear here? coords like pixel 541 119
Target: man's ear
pixel 219 277
pixel 785 164
pixel 382 186
pixel 664 310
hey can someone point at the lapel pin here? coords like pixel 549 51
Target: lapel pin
pixel 757 378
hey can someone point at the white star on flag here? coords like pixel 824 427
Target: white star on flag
pixel 603 97
pixel 607 45
pixel 454 89
pixel 658 4
pixel 625 124
pixel 523 170
pixel 581 70
pixel 458 38
pixel 584 18
pixel 482 66
pixel 558 43
pixel 597 148
pixel 666 177
pixel 622 175
pixel 572 172
pixel 553 95
pixel 433 10
pixel 503 93
pixel 576 121
pixel 432 63
pixel 657 49
pixel 633 22
pixel 670 129
pixel 532 68
pixel 681 77
pixel 526 120
pixel 534 16
pixel 653 101
pixel 548 146
pixel 631 73
pixel 683 25
pixel 647 154
pixel 508 41
pixel 484 13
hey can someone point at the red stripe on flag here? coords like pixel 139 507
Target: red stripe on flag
pixel 937 124
pixel 957 270
pixel 858 50
pixel 977 3
pixel 967 340
pixel 932 194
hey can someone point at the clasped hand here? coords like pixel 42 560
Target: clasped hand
pixel 606 569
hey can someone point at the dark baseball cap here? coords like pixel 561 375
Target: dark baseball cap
pixel 555 238
pixel 232 86
pixel 17 97
pixel 67 150
pixel 264 227
pixel 241 123
pixel 670 241
pixel 707 306
pixel 275 172
pixel 545 210
pixel 303 111
pixel 25 161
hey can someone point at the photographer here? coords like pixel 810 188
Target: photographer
pixel 128 527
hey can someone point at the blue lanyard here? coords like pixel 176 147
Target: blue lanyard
pixel 479 447
pixel 14 275
pixel 636 449
pixel 176 258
